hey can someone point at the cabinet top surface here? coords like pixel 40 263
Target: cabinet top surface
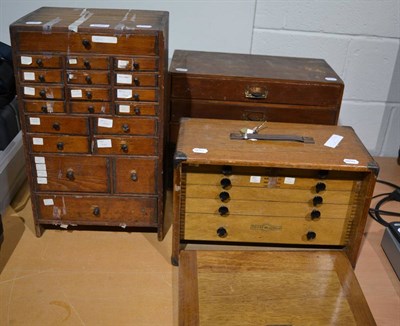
pixel 92 19
pixel 207 141
pixel 198 63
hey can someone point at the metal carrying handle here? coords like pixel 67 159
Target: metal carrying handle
pixel 296 138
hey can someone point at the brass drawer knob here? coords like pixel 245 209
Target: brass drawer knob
pixel 88 79
pixel 137 111
pixel 70 175
pixel 256 92
pixel 91 109
pixel 56 126
pixel 125 127
pixel 44 109
pixel 136 81
pixel 86 63
pixel 124 148
pixel 136 97
pixel 39 62
pixel 96 211
pixel 42 93
pixel 86 43
pixel 134 176
pixel 60 146
pixel 89 95
pixel 136 66
pixel 42 79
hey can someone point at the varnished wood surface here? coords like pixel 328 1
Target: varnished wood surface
pixel 269 288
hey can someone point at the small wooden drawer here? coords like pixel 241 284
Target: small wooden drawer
pixel 135 176
pixel 136 79
pixel 58 144
pixel 135 64
pixel 99 210
pixel 89 93
pixel 71 173
pixel 89 77
pixel 136 94
pixel 57 124
pixel 135 108
pixel 44 106
pixel 87 63
pixel 125 145
pixel 41 76
pixel 44 92
pixel 127 126
pixel 90 107
pixel 43 61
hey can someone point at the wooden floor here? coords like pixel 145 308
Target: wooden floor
pixel 121 278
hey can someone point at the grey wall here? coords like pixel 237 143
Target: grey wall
pixel 359 39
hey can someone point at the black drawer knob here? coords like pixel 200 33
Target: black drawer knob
pixel 125 127
pixel 317 200
pixel 56 126
pixel 136 81
pixel 44 109
pixel 89 95
pixel 323 174
pixel 60 146
pixel 136 97
pixel 86 43
pixel 224 196
pixel 311 235
pixel 315 214
pixel 226 170
pixel 221 232
pixel 223 211
pixel 91 109
pixel 134 175
pixel 96 211
pixel 320 186
pixel 137 111
pixel 70 175
pixel 42 93
pixel 225 183
pixel 39 62
pixel 136 65
pixel 42 79
pixel 88 79
pixel 86 63
pixel 124 148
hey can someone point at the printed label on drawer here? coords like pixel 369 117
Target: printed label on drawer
pixel 73 61
pixel 40 167
pixel 124 108
pixel 100 25
pixel 37 141
pixel 124 79
pixel 144 26
pixel 76 93
pixel 26 60
pixel 106 123
pixel 42 181
pixel 29 75
pixel 104 143
pixel 289 181
pixel 33 23
pixel 330 78
pixel 122 64
pixel 48 202
pixel 124 93
pixel 40 159
pixel 255 179
pixel 41 173
pixel 104 39
pixel 34 121
pixel 29 91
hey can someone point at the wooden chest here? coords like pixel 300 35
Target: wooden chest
pixel 252 87
pixel 268 223
pixel 91 89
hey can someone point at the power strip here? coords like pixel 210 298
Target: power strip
pixel 391 245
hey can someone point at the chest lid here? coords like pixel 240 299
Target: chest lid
pixel 332 147
pixel 269 288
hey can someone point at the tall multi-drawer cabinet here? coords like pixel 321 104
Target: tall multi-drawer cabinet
pixel 92 94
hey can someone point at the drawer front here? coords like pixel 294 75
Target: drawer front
pixel 136 94
pixel 43 92
pixel 256 91
pixel 136 79
pixel 119 211
pixel 89 77
pixel 89 93
pixel 281 230
pixel 58 144
pixel 87 62
pixel 87 43
pixel 135 108
pixel 57 124
pixel 43 61
pixel 43 106
pixel 135 176
pixel 127 126
pixel 90 107
pixel 125 145
pixel 71 173
pixel 253 111
pixel 135 64
pixel 41 76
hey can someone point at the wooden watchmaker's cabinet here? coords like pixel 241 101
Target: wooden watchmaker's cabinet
pixel 268 224
pixel 92 95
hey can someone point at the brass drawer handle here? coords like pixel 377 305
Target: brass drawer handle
pixel 60 146
pixel 134 175
pixel 96 211
pixel 70 175
pixel 256 92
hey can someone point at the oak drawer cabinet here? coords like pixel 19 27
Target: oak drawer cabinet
pixel 92 95
pixel 252 87
pixel 268 222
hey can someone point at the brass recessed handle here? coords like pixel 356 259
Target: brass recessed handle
pixel 256 92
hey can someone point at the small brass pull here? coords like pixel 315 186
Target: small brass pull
pixel 96 211
pixel 124 148
pixel 42 93
pixel 60 146
pixel 125 128
pixel 86 63
pixel 70 175
pixel 256 92
pixel 42 79
pixel 39 62
pixel 137 111
pixel 56 126
pixel 136 66
pixel 86 44
pixel 136 81
pixel 134 175
pixel 136 97
pixel 88 79
pixel 91 109
pixel 44 109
